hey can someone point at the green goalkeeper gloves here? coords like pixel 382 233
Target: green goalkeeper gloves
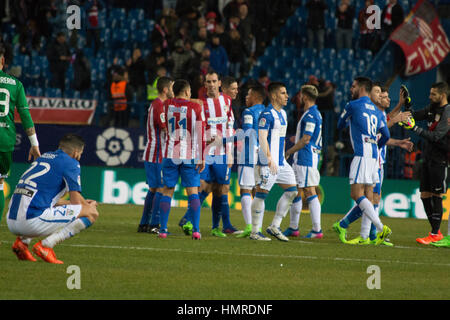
pixel 408 124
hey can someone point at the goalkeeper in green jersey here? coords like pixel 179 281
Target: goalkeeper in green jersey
pixel 12 95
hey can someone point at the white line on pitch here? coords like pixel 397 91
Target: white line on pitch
pixel 254 254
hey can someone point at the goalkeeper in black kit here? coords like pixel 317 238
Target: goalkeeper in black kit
pixel 436 156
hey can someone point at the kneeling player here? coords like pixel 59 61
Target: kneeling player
pixel 36 208
pixel 307 148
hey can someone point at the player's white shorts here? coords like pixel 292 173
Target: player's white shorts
pixel 364 171
pixel 246 177
pixel 265 179
pixel 50 221
pixel 306 176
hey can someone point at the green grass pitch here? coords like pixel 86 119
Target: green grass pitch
pixel 116 262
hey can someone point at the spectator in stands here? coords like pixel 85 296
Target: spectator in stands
pixel 29 38
pixel 224 36
pixel 282 10
pixel 121 95
pixel 187 9
pixel 9 53
pixel 136 72
pixel 59 57
pixel 199 64
pixel 391 17
pixel 45 10
pixel 81 72
pixel 245 27
pixel 232 9
pixel 344 32
pixel 315 23
pixel 237 53
pixel 182 32
pixel 180 58
pixel 211 22
pixel 367 36
pixel 198 86
pixel 297 101
pixel 91 9
pixel 160 35
pixel 233 23
pixel 152 89
pixel 200 40
pixel 201 23
pixel 325 100
pixel 171 20
pixel 218 57
pixel 263 79
pixel 155 59
pixel 261 13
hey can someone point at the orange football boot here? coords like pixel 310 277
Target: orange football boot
pixel 21 250
pixel 47 254
pixel 431 238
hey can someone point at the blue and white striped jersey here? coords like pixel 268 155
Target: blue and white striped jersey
pixel 275 123
pixel 310 124
pixel 365 121
pixel 44 183
pixel 382 150
pixel 250 118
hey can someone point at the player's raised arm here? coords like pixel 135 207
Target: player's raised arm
pixel 342 121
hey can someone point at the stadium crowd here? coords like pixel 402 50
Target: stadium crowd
pixel 183 41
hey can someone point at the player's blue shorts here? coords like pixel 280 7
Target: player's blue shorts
pixel 153 171
pixel 190 177
pixel 216 172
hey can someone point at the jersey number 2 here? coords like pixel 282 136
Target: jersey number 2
pixel 29 179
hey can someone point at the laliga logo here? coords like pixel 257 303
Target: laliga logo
pixel 114 146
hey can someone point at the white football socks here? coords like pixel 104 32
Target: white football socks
pixel 257 213
pixel 246 203
pixel 367 209
pixel 295 212
pixel 67 232
pixel 282 207
pixel 315 211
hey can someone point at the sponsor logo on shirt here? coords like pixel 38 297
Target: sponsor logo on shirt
pixel 217 120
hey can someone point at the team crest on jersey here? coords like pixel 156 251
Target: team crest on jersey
pixel 162 116
pixel 262 122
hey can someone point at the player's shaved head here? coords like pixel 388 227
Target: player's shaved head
pixel 259 91
pixel 71 142
pixel 179 86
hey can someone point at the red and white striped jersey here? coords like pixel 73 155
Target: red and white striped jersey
pixel 185 122
pixel 219 121
pixel 155 135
